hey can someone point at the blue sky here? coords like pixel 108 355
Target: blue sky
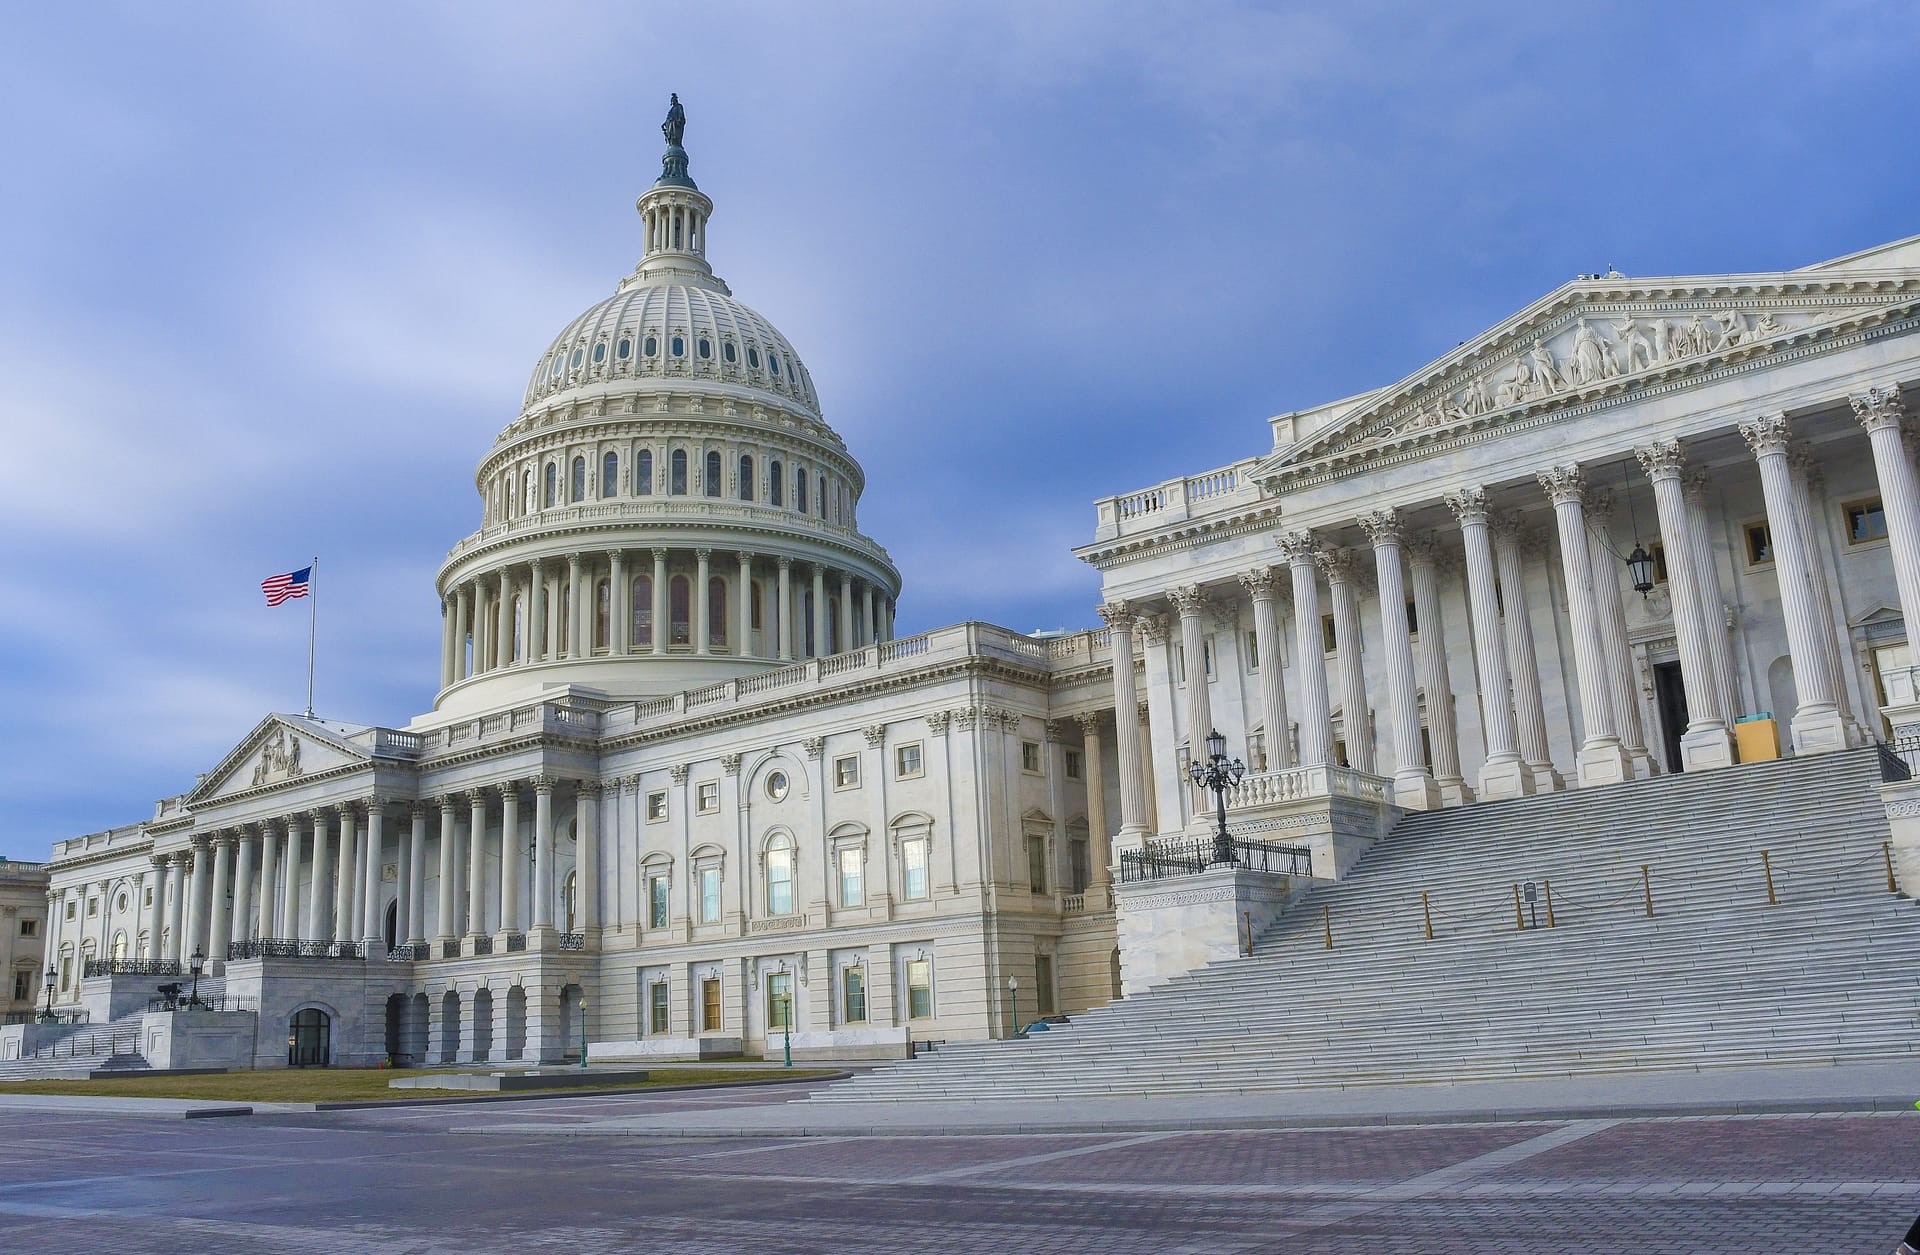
pixel 272 276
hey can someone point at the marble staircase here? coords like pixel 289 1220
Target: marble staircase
pixel 1715 977
pixel 89 1048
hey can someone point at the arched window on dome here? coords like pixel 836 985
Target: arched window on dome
pixel 834 643
pixel 800 490
pixel 677 473
pixel 822 497
pixel 716 613
pixel 773 364
pixel 746 477
pixel 624 349
pixel 711 481
pixel 643 473
pixel 806 623
pixel 677 345
pixel 610 475
pixel 651 345
pixel 579 480
pixel 704 347
pixel 553 484
pixel 753 357
pixel 643 610
pixel 526 491
pixel 516 647
pixel 602 614
pixel 578 354
pixel 599 352
pixel 776 483
pixel 728 352
pixel 678 612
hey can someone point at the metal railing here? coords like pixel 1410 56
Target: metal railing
pixel 1160 859
pixel 516 941
pixel 105 1041
pixel 1898 758
pixel 450 948
pixel 292 948
pixel 573 941
pixel 209 1002
pixel 132 967
pixel 483 944
pixel 40 1017
pixel 409 952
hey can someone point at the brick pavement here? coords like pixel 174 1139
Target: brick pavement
pixel 398 1180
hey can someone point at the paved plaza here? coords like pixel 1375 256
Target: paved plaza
pixel 403 1179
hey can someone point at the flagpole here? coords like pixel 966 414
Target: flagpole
pixel 313 618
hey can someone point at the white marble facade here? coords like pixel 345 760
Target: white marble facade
pixel 669 674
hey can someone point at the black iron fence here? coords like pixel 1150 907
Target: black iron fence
pixel 292 948
pixel 132 967
pixel 483 944
pixel 1898 758
pixel 516 941
pixel 573 941
pixel 205 1002
pixel 409 952
pixel 1160 859
pixel 42 1017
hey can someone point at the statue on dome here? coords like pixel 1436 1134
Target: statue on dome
pixel 675 127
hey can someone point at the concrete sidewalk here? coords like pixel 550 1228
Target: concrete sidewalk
pixel 108 1105
pixel 1743 1091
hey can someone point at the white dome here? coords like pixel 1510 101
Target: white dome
pixel 656 327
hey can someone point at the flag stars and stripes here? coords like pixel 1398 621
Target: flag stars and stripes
pixel 279 588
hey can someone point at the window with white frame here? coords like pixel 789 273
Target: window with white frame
pixel 708 878
pixel 907 761
pixel 852 861
pixel 846 772
pixel 707 798
pixel 1030 756
pixel 919 989
pixel 659 1009
pixel 780 875
pixel 853 995
pixel 914 857
pixel 657 806
pixel 1073 764
pixel 659 891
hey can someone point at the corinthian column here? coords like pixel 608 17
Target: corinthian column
pixel 1413 787
pixel 542 852
pixel 318 885
pixel 1881 412
pixel 702 608
pixel 1502 775
pixel 743 613
pixel 445 928
pixel 289 925
pixel 1341 568
pixel 1706 743
pixel 177 946
pixel 619 604
pixel 1613 632
pixel 414 884
pixel 346 920
pixel 503 624
pixel 1316 720
pixel 586 879
pixel 1191 603
pixel 220 906
pixel 269 878
pixel 476 905
pixel 156 909
pixel 196 928
pixel 1805 473
pixel 539 641
pixel 662 630
pixel 1099 838
pixel 510 857
pixel 1443 736
pixel 1602 759
pixel 1817 725
pixel 1530 715
pixel 463 608
pixel 1119 617
pixel 1713 604
pixel 1263 589
pixel 239 927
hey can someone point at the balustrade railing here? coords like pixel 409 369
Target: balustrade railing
pixel 43 1017
pixel 409 952
pixel 516 942
pixel 1898 758
pixel 573 941
pixel 450 948
pixel 1158 860
pixel 293 948
pixel 483 944
pixel 209 1002
pixel 132 967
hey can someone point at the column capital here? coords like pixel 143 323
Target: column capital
pixel 1383 527
pixel 813 746
pixel 200 841
pixel 938 722
pixel 1767 434
pixel 1425 550
pixel 1469 504
pixel 420 805
pixel 616 557
pixel 745 555
pixel 1301 546
pixel 784 562
pixel 730 763
pixel 1564 484
pixel 449 802
pixel 1259 582
pixel 587 788
pixel 1661 459
pixel 1340 566
pixel 506 788
pixel 1153 628
pixel 543 785
pixel 876 734
pixel 679 772
pixel 1878 407
pixel 631 783
pixel 703 554
pixel 1089 721
pixel 660 555
pixel 1118 613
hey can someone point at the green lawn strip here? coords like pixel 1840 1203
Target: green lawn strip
pixel 358 1084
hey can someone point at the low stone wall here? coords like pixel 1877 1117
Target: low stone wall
pixel 663 1049
pixel 198 1039
pixel 1179 923
pixel 880 1042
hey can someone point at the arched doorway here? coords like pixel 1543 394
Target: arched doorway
pixel 449 1026
pixel 310 1039
pixel 396 1028
pixel 516 1022
pixel 482 1025
pixel 393 924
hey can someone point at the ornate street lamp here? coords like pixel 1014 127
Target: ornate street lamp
pixel 583 1032
pixel 1218 774
pixel 46 1016
pixel 1013 992
pixel 199 961
pixel 1640 567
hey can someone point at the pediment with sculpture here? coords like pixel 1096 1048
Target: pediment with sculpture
pixel 277 751
pixel 1590 343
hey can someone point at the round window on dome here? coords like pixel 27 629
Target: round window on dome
pixel 624 349
pixel 651 347
pixel 727 351
pixel 677 346
pixel 599 353
pixel 705 347
pixel 777 785
pixel 753 357
pixel 576 357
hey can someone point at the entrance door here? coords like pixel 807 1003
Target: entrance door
pixel 393 925
pixel 1670 698
pixel 310 1039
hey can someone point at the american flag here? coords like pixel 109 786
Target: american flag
pixel 279 588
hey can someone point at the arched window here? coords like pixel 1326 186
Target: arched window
pixel 579 481
pixel 602 617
pixel 599 353
pixel 776 486
pixel 756 608
pixel 711 480
pixel 834 644
pixel 821 497
pixel 746 477
pixel 553 484
pixel 610 475
pixel 716 611
pixel 643 473
pixel 677 473
pixel 643 610
pixel 677 346
pixel 651 346
pixel 727 351
pixel 753 357
pixel 624 349
pixel 569 896
pixel 806 622
pixel 800 490
pixel 704 347
pixel 119 948
pixel 780 876
pixel 526 490
pixel 678 614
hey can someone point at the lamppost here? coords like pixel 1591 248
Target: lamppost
pixel 583 1032
pixel 199 961
pixel 46 1016
pixel 1218 774
pixel 1013 992
pixel 786 1018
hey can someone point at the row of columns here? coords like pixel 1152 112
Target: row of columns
pixel 560 625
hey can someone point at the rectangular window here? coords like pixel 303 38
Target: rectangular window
pixel 846 771
pixel 1206 652
pixel 1759 544
pixel 1077 856
pixel 657 890
pixel 22 986
pixel 707 798
pixel 657 807
pixel 29 928
pixel 1252 646
pixel 1413 619
pixel 919 989
pixel 1329 640
pixel 779 1000
pixel 69 909
pixel 1043 983
pixel 1073 764
pixel 710 1005
pixel 906 760
pixel 148 899
pixel 1037 864
pixel 1030 757
pixel 853 995
pixel 709 895
pixel 1658 552
pixel 1865 521
pixel 913 869
pixel 66 973
pixel 658 1019
pixel 853 889
pixel 93 906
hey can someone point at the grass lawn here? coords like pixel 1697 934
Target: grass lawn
pixel 352 1084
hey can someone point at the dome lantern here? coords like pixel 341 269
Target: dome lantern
pixel 674 211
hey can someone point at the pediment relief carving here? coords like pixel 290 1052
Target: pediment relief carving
pixel 1584 348
pixel 274 753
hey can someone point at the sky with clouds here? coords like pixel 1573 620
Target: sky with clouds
pixel 272 277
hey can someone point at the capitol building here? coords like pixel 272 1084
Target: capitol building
pixel 684 792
